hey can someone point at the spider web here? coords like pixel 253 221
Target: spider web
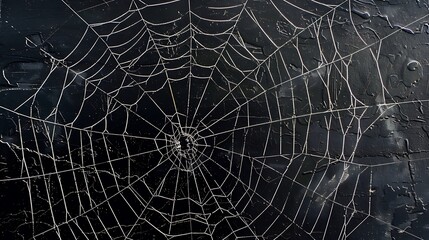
pixel 239 119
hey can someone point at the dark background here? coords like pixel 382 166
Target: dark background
pixel 214 119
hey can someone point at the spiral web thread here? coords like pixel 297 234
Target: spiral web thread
pixel 198 120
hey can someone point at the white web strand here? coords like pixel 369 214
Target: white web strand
pixel 235 132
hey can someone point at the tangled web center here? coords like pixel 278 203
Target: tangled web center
pixel 185 146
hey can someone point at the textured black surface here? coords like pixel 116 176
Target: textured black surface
pixel 248 119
